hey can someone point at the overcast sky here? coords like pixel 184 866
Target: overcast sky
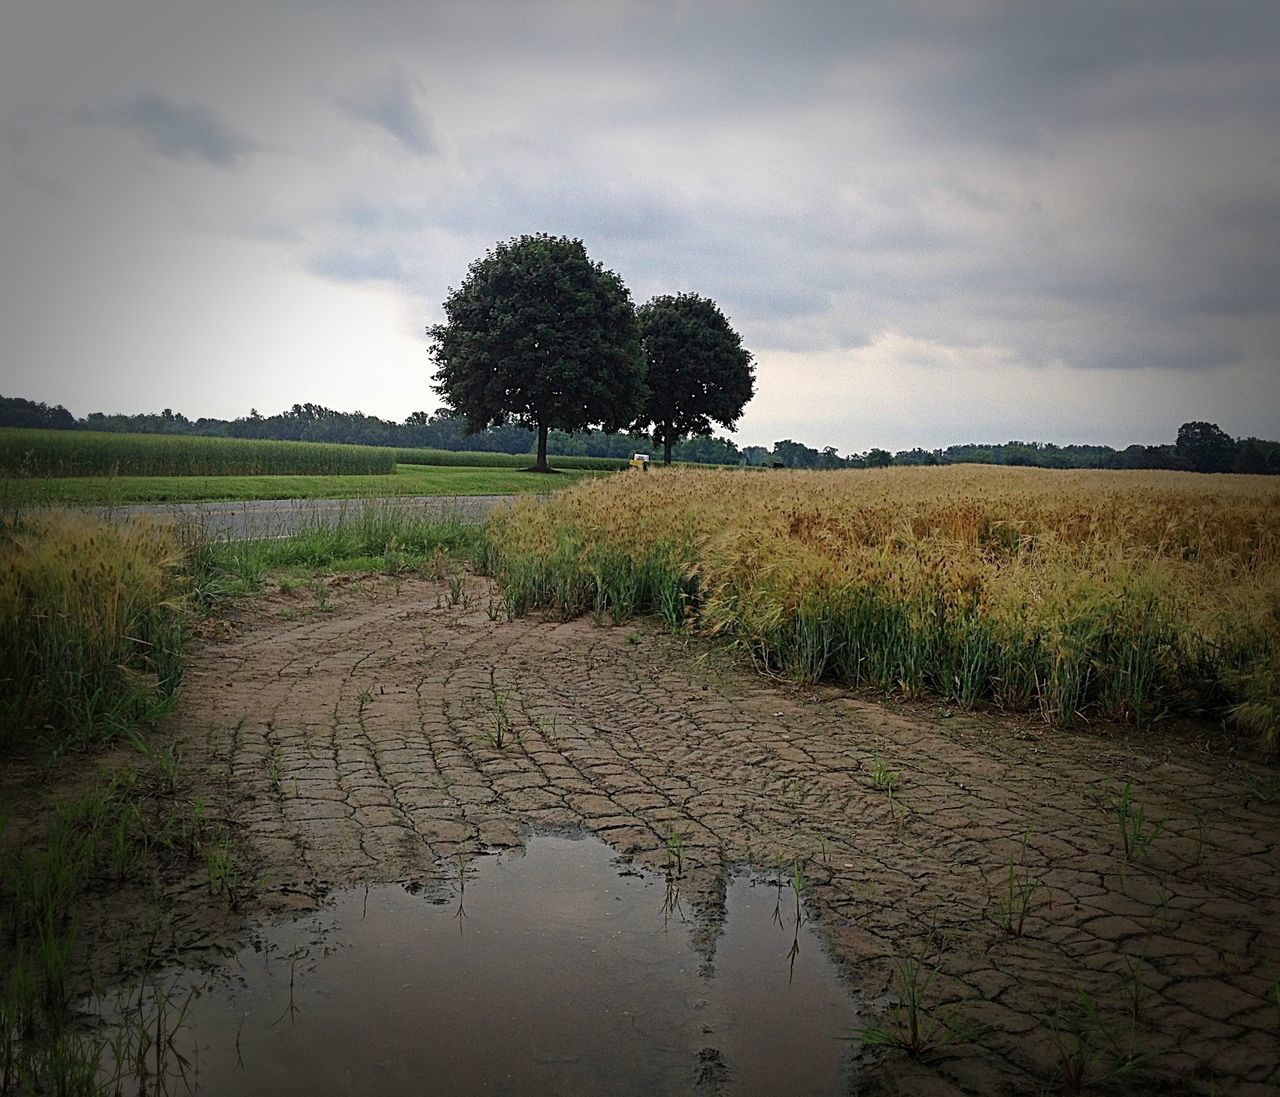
pixel 932 222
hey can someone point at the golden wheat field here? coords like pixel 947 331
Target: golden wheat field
pixel 90 624
pixel 1088 594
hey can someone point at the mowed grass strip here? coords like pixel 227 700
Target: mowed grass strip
pixel 407 480
pixel 504 460
pixel 48 453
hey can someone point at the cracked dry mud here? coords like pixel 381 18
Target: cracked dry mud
pixel 358 745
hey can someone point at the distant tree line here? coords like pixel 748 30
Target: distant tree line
pixel 1199 446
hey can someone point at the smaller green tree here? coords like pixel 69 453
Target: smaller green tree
pixel 699 373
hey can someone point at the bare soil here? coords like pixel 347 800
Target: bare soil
pixel 359 742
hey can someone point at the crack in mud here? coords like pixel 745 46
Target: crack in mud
pixel 359 745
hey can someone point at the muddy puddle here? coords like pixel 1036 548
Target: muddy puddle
pixel 555 969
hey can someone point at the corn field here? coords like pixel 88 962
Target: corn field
pixel 37 453
pixel 1129 596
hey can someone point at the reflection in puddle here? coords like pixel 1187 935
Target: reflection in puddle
pixel 542 971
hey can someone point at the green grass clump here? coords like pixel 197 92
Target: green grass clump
pixel 49 453
pixel 91 626
pixel 127 830
pixel 367 535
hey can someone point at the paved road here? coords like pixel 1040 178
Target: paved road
pixel 238 521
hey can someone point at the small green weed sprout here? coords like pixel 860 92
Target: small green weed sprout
pixel 675 843
pixel 1137 989
pixel 393 558
pixel 917 1025
pixel 1135 834
pixel 220 869
pixel 1019 891
pixel 887 780
pixel 503 727
pixel 321 591
pixel 1092 1050
pixel 882 777
pixel 165 762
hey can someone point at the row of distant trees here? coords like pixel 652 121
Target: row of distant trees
pixel 1201 447
pixel 541 348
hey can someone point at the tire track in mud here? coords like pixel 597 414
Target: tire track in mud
pixel 359 744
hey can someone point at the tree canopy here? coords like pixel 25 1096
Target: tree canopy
pixel 540 336
pixel 699 373
pixel 18 412
pixel 1205 447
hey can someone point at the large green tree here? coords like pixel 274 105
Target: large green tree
pixel 540 336
pixel 699 373
pixel 1205 447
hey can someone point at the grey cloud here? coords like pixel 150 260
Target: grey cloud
pixel 390 102
pixel 178 131
pixel 954 222
pixel 339 265
pixel 371 216
pixel 17 139
pixel 274 232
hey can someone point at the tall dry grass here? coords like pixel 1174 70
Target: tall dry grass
pixel 90 626
pixel 1120 595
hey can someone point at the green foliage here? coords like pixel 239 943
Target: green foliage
pixel 1205 447
pixel 1092 1049
pixel 917 1022
pixel 367 530
pixel 503 728
pixel 699 373
pixel 17 412
pixel 1136 837
pixel 1258 711
pixel 44 453
pixel 540 336
pixel 116 832
pixel 1020 889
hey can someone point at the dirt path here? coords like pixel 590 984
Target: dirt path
pixel 360 744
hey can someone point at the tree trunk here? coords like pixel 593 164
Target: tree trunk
pixel 541 464
pixel 666 447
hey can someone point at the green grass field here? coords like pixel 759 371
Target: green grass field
pixel 477 459
pixel 407 480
